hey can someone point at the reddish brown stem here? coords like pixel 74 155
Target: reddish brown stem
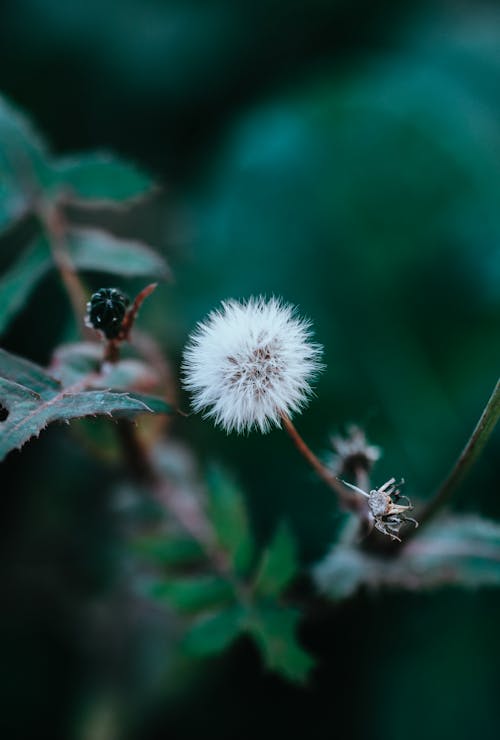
pixel 132 312
pixel 55 226
pixel 346 497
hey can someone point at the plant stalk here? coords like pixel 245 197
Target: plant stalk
pixel 469 455
pixel 346 498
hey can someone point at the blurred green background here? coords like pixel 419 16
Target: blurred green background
pixel 343 155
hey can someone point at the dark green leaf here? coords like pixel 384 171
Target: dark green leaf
pixel 214 632
pixel 93 249
pixel 279 564
pixel 36 400
pixel 100 177
pixel 229 517
pixel 274 630
pixel 192 594
pixel 22 161
pixel 461 551
pixel 27 373
pixel 17 284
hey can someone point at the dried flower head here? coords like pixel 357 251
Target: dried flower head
pixel 387 515
pixel 250 363
pixel 352 453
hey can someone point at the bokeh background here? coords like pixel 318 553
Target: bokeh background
pixel 343 155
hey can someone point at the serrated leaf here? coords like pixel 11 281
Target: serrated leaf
pixel 454 551
pixel 100 177
pixel 230 520
pixel 22 162
pixel 94 249
pixel 17 283
pixel 36 400
pixel 213 633
pixel 193 594
pixel 274 630
pixel 279 564
pixel 169 551
pixel 27 373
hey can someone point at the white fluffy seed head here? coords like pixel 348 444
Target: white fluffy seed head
pixel 248 363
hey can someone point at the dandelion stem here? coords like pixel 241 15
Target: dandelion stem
pixel 347 499
pixel 470 453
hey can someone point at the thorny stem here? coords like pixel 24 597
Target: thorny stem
pixel 470 453
pixel 347 499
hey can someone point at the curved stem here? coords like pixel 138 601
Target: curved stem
pixel 469 455
pixel 346 498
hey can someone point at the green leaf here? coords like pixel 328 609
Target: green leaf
pixel 279 564
pixel 22 162
pixel 27 373
pixel 93 249
pixel 17 283
pixel 99 177
pixel 229 517
pixel 36 400
pixel 169 551
pixel 192 594
pixel 274 630
pixel 452 551
pixel 73 362
pixel 213 633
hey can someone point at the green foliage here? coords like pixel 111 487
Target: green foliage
pixel 214 632
pixel 17 283
pixel 192 595
pixel 274 629
pixel 252 600
pixel 31 181
pixel 93 249
pixel 168 551
pixel 229 517
pixel 99 178
pixel 74 362
pixel 35 399
pixel 455 551
pixel 22 161
pixel 388 174
pixel 279 564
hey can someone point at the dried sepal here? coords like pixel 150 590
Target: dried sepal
pixel 385 513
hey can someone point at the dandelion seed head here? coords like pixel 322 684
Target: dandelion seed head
pixel 250 362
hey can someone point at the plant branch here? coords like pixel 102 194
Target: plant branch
pixel 469 455
pixel 54 224
pixel 346 498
